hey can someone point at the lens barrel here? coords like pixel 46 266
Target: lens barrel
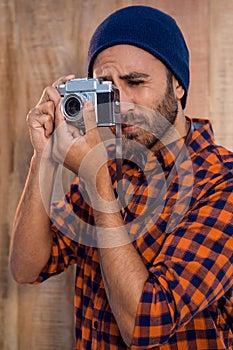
pixel 72 106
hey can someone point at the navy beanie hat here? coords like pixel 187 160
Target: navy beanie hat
pixel 149 29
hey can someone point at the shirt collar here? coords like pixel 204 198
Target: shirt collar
pixel 201 136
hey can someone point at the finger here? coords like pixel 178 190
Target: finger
pixel 48 126
pixel 63 79
pixel 59 118
pixel 50 93
pixel 36 120
pixel 89 117
pixel 45 108
pixel 42 116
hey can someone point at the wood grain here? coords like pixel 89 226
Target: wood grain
pixel 221 70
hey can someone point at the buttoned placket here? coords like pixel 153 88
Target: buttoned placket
pixel 98 307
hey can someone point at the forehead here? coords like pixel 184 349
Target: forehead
pixel 126 57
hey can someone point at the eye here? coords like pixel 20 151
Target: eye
pixel 135 82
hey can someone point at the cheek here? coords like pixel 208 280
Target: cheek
pixel 145 97
pixel 153 94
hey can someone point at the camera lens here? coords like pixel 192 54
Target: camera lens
pixel 72 106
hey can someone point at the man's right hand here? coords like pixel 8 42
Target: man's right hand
pixel 40 119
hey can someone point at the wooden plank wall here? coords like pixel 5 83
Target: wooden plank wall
pixel 39 41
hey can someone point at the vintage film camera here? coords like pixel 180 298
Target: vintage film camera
pixel 103 94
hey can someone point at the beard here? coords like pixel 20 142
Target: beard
pixel 154 123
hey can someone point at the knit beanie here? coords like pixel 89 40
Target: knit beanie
pixel 149 29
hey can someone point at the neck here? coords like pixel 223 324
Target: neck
pixel 175 132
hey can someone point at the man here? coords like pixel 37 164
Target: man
pixel 151 237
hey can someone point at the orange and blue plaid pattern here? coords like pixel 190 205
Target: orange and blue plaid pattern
pixel 187 301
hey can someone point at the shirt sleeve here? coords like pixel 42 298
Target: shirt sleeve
pixel 64 253
pixel 193 270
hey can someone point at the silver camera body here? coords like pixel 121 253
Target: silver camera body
pixel 103 94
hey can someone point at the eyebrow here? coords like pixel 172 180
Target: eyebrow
pixel 129 76
pixel 134 75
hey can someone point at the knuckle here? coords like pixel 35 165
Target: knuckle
pixel 44 94
pixel 48 94
pixel 32 113
pixel 50 105
pixel 47 89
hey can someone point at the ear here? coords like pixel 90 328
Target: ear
pixel 178 89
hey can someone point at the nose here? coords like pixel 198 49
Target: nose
pixel 126 101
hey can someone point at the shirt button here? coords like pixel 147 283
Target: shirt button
pixel 95 324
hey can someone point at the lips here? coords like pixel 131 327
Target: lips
pixel 130 128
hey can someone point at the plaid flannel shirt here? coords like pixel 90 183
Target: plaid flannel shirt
pixel 187 301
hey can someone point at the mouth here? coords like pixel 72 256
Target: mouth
pixel 133 128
